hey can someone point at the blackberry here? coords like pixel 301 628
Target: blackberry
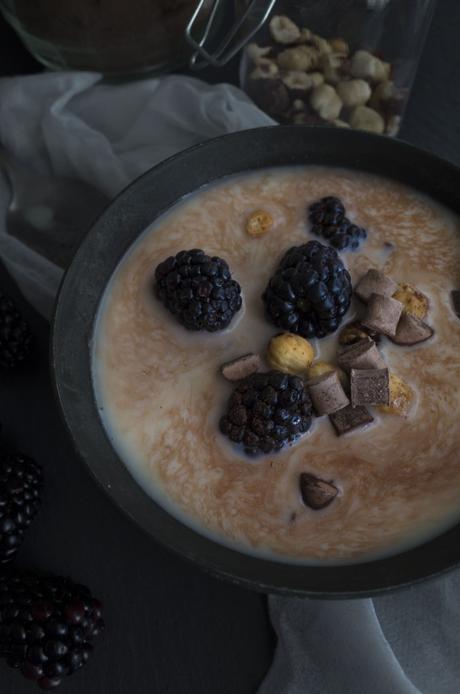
pixel 266 411
pixel 15 335
pixel 310 291
pixel 329 221
pixel 198 290
pixel 47 626
pixel 20 487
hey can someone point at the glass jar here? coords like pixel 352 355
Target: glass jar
pixel 347 63
pixel 114 37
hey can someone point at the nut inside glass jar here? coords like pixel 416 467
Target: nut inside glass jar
pixel 346 64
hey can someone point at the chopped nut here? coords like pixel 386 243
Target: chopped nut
pixel 240 368
pixel 283 29
pixel 319 368
pixel 331 64
pixel 299 58
pixel 401 397
pixel 290 353
pixel 382 92
pixel 411 331
pixel 365 118
pixel 305 35
pixel 354 92
pixel 393 125
pixel 297 81
pixel 365 65
pixel 339 46
pixel 316 493
pixel 258 223
pixel 326 102
pixel 414 302
pixel 266 69
pixel 321 44
pixel 340 123
pixel 256 52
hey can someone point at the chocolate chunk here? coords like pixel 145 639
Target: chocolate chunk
pixel 370 387
pixel 350 418
pixel 316 493
pixel 455 294
pixel 361 355
pixel 411 331
pixel 383 314
pixel 375 282
pixel 239 368
pixel 327 394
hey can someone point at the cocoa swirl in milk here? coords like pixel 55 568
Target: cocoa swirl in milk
pixel 161 394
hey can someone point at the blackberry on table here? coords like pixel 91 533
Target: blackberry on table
pixel 329 221
pixel 21 482
pixel 47 626
pixel 15 335
pixel 266 411
pixel 198 290
pixel 310 291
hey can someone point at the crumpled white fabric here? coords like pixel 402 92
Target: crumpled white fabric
pixel 72 125
pixel 407 642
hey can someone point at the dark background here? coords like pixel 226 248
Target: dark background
pixel 170 627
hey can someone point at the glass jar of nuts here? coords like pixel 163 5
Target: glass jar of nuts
pixel 347 63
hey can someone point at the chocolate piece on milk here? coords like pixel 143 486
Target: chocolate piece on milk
pixel 370 387
pixel 411 331
pixel 383 314
pixel 327 394
pixel 350 418
pixel 375 282
pixel 362 355
pixel 455 294
pixel 316 493
pixel 240 368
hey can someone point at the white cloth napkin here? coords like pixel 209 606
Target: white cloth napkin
pixel 70 125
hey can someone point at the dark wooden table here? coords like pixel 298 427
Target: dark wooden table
pixel 170 628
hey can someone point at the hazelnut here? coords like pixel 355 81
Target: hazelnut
pixel 283 29
pixel 305 35
pixel 340 123
pixel 290 353
pixel 297 80
pixel 320 44
pixel 339 46
pixel 266 69
pixel 368 66
pixel 326 102
pixel 393 125
pixel 331 64
pixel 353 92
pixel 414 302
pixel 364 118
pixel 298 58
pixel 401 397
pixel 258 223
pixel 256 52
pixel 382 92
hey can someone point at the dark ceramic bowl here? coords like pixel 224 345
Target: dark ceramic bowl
pixel 89 273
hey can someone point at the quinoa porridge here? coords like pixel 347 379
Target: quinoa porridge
pixel 161 394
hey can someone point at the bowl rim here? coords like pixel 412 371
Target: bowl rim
pixel 135 208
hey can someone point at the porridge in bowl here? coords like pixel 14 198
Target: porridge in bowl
pixel 335 439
